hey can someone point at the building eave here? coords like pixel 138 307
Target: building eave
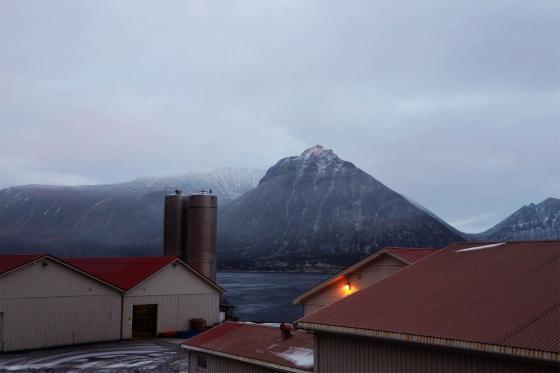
pixel 189 268
pixel 434 341
pixel 43 256
pixel 66 265
pixel 246 359
pixel 206 279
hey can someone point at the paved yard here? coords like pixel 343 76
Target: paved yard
pixel 158 355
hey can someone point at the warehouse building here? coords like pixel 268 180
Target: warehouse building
pixel 358 276
pixel 488 307
pixel 234 347
pixel 46 301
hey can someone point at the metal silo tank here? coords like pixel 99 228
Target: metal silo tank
pixel 173 225
pixel 201 233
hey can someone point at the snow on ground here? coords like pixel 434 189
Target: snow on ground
pixel 159 355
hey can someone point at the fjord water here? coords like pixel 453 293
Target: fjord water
pixel 267 296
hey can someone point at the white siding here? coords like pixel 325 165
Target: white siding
pixel 369 274
pixel 45 322
pixel 180 296
pixel 52 305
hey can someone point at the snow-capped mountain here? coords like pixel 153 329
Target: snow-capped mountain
pixel 531 222
pixel 317 204
pixel 314 209
pixel 96 219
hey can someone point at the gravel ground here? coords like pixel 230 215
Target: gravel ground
pixel 155 355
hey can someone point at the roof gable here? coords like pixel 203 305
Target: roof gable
pixel 404 255
pixel 49 276
pixel 10 262
pixel 502 295
pixel 128 272
pixel 122 272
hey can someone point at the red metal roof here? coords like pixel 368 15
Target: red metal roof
pixel 256 342
pixel 9 262
pixel 122 272
pixel 412 254
pixel 501 295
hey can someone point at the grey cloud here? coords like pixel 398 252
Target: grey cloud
pixel 453 104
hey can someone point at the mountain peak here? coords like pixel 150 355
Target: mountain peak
pixel 316 151
pixel 549 201
pixel 315 205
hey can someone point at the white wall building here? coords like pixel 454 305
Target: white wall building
pixel 46 301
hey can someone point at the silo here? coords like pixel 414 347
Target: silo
pixel 174 216
pixel 201 223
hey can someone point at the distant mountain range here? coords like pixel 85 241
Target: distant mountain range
pixel 124 218
pixel 531 222
pixel 309 211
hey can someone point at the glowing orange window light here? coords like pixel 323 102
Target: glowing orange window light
pixel 347 289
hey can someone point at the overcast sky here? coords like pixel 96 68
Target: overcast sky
pixel 455 104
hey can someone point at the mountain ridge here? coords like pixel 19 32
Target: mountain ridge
pixel 530 222
pixel 109 217
pixel 318 198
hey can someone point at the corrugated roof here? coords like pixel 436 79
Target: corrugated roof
pixel 412 254
pixel 407 255
pixel 10 262
pixel 256 343
pixel 122 272
pixel 500 295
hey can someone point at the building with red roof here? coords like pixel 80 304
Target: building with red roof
pixel 469 307
pixel 243 347
pixel 46 301
pixel 11 262
pixel 360 275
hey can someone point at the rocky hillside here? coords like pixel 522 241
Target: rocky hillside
pixel 316 205
pixel 124 218
pixel 531 222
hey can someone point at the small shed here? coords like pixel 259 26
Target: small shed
pixel 234 347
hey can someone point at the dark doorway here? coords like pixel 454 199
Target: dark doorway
pixel 144 320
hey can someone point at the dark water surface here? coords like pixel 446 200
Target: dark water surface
pixel 267 296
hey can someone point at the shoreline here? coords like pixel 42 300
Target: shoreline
pixel 325 272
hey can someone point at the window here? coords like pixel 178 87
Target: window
pixel 201 361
